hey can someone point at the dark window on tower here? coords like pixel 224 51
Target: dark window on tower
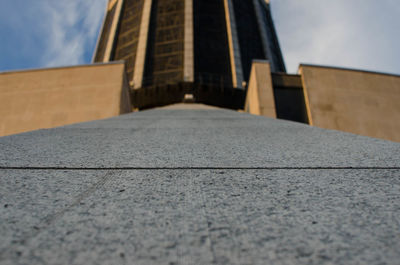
pixel 164 61
pixel 248 33
pixel 276 56
pixel 101 49
pixel 128 34
pixel 211 47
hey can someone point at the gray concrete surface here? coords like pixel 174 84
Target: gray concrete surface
pixel 197 138
pixel 198 187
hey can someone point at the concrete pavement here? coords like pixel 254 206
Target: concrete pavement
pixel 198 186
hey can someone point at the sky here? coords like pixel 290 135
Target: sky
pixel 360 34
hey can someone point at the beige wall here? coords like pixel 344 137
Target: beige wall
pixel 260 94
pixel 47 98
pixel 359 102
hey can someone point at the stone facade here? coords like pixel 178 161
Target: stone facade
pixel 47 98
pixel 172 41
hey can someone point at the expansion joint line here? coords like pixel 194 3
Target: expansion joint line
pixel 194 168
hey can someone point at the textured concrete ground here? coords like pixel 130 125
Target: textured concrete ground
pixel 201 186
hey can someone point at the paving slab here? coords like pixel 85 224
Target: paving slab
pixel 314 216
pixel 29 200
pixel 198 186
pixel 166 138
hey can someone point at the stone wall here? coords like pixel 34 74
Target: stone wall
pixel 260 91
pixel 359 102
pixel 47 98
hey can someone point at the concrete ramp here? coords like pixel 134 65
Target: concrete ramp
pixel 198 186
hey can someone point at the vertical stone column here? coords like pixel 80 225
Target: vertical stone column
pixel 260 99
pixel 142 45
pixel 188 64
pixel 113 32
pixel 96 50
pixel 263 31
pixel 234 48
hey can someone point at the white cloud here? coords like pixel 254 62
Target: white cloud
pixel 71 27
pixel 349 33
pixel 361 34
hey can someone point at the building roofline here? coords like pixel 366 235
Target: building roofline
pixel 347 69
pixel 60 67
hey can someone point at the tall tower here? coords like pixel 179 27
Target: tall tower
pixel 189 41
